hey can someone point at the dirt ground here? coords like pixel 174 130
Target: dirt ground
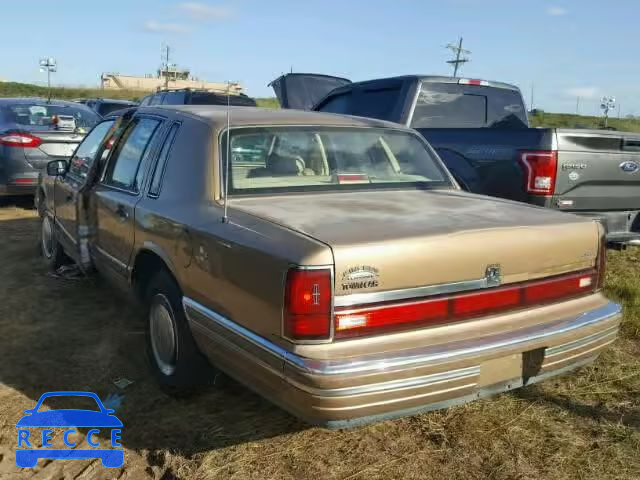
pixel 62 334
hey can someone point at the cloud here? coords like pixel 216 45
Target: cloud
pixel 556 11
pixel 203 12
pixel 583 92
pixel 152 26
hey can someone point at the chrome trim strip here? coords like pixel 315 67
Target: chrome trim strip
pixel 447 352
pixel 111 258
pixel 395 385
pixel 414 293
pixel 581 342
pixel 243 332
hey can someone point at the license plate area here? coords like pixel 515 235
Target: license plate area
pixel 501 370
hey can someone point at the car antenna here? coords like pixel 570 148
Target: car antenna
pixel 225 217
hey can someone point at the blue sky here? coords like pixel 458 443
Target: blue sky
pixel 566 48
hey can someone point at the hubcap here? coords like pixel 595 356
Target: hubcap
pixel 47 237
pixel 163 335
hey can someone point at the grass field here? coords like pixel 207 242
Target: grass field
pixel 79 335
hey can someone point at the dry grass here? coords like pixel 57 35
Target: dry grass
pixel 79 335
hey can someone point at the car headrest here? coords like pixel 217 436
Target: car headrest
pixel 286 164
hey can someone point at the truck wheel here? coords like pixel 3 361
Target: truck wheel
pixel 174 357
pixel 49 247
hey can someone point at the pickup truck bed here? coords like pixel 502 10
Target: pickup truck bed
pixel 480 130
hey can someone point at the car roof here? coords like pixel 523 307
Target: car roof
pixel 216 115
pixel 423 78
pixel 113 100
pixel 38 100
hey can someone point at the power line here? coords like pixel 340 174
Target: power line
pixel 460 58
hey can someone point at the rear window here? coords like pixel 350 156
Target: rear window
pixel 207 98
pixel 449 105
pixel 49 116
pixel 106 108
pixel 293 159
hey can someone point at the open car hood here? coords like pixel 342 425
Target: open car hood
pixel 301 91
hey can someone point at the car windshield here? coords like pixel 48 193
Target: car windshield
pixel 289 159
pixel 51 116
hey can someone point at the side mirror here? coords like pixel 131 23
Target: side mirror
pixel 56 168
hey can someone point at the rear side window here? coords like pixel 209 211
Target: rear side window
pixel 173 98
pixel 378 103
pixel 158 171
pixel 449 105
pixel 122 171
pixel 86 152
pixel 340 103
pixel 156 99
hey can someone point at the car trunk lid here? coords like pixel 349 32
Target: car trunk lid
pixel 55 145
pixel 394 240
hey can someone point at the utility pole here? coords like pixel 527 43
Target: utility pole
pixel 460 59
pixel 166 66
pixel 577 105
pixel 48 64
pixel 531 102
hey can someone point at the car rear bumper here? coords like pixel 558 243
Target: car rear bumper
pixel 20 184
pixel 344 392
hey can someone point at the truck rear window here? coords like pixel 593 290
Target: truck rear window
pixel 450 105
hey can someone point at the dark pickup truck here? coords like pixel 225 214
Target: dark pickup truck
pixel 481 131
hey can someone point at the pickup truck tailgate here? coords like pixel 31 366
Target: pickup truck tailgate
pixel 598 170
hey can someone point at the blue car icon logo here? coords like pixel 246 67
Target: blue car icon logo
pixel 68 418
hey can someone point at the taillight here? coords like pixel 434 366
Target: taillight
pixel 358 321
pixel 23 140
pixel 540 171
pixel 601 261
pixel 307 304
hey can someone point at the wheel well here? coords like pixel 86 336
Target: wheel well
pixel 145 266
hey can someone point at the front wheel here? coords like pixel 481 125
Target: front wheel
pixel 49 246
pixel 174 357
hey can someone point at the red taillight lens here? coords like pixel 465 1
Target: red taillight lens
pixel 570 286
pixel 23 140
pixel 540 169
pixel 601 261
pixel 307 304
pixel 351 322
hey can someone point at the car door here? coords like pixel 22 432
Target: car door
pixel 65 189
pixel 116 195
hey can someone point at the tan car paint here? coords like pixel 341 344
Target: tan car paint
pixel 232 277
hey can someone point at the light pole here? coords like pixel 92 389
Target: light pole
pixel 606 104
pixel 48 65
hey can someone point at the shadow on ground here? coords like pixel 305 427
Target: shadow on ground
pixel 62 334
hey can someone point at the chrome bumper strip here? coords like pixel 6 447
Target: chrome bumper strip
pixel 394 385
pixel 448 352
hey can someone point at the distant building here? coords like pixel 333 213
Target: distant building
pixel 172 77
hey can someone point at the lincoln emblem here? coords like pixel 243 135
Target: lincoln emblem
pixel 315 294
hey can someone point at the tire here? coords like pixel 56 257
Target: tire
pixel 174 358
pixel 50 248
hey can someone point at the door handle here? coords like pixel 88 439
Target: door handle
pixel 121 212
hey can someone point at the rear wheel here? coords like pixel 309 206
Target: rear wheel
pixel 173 354
pixel 49 247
